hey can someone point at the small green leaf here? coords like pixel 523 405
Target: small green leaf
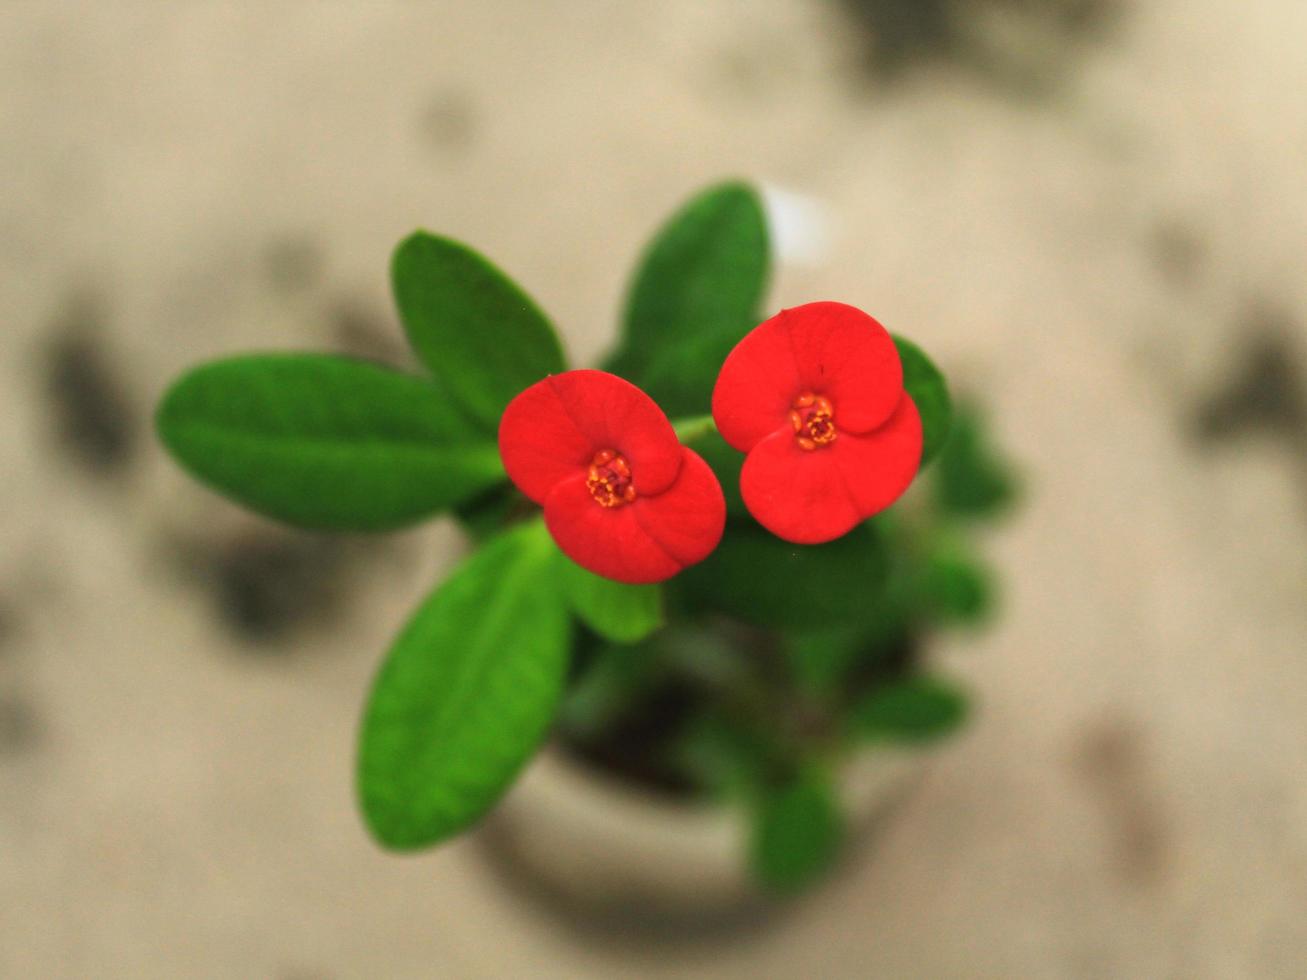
pixel 918 709
pixel 755 576
pixel 726 756
pixel 477 331
pixel 698 291
pixel 325 442
pixel 955 585
pixel 696 427
pixel 929 392
pixel 613 678
pixel 797 834
pixel 466 693
pixel 972 481
pixel 616 611
pixel 820 659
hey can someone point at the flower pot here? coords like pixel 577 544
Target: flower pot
pixel 622 859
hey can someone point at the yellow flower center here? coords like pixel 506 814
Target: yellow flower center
pixel 609 481
pixel 813 418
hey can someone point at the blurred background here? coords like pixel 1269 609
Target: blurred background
pixel 1090 212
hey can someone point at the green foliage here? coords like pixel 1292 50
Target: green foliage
pixel 915 709
pixel 488 513
pixel 698 291
pixel 466 693
pixel 612 676
pixel 477 331
pixel 971 480
pixel 325 442
pixel 774 656
pixel 797 833
pixel 616 611
pixel 955 586
pixel 929 392
pixel 681 379
pixel 755 576
pixel 820 659
pixel 728 759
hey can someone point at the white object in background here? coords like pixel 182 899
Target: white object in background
pixel 802 226
pixel 611 851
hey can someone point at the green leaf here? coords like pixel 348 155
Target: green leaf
pixel 955 585
pixel 918 709
pixel 755 576
pixel 972 481
pixel 797 834
pixel 929 392
pixel 615 677
pixel 726 756
pixel 477 331
pixel 681 379
pixel 698 290
pixel 616 611
pixel 489 513
pixel 820 659
pixel 325 442
pixel 466 694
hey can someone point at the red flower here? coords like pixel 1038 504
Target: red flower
pixel 815 397
pixel 622 496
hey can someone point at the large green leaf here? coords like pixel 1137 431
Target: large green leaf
pixel 616 611
pixel 797 834
pixel 917 709
pixel 477 331
pixel 325 442
pixel 929 392
pixel 755 576
pixel 698 290
pixel 681 379
pixel 466 693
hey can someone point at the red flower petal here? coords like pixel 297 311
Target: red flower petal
pixel 879 466
pixel 812 496
pixel 687 519
pixel 606 540
pixel 797 495
pixel 552 430
pixel 757 385
pixel 539 442
pixel 850 358
pixel 646 541
pixel 829 349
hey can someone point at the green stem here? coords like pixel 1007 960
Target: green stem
pixel 687 430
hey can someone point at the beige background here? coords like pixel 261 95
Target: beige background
pixel 192 179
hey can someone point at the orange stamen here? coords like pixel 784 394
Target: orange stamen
pixel 609 479
pixel 813 418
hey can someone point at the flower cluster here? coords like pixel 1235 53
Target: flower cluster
pixel 814 396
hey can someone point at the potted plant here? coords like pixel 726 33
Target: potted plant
pixel 691 568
